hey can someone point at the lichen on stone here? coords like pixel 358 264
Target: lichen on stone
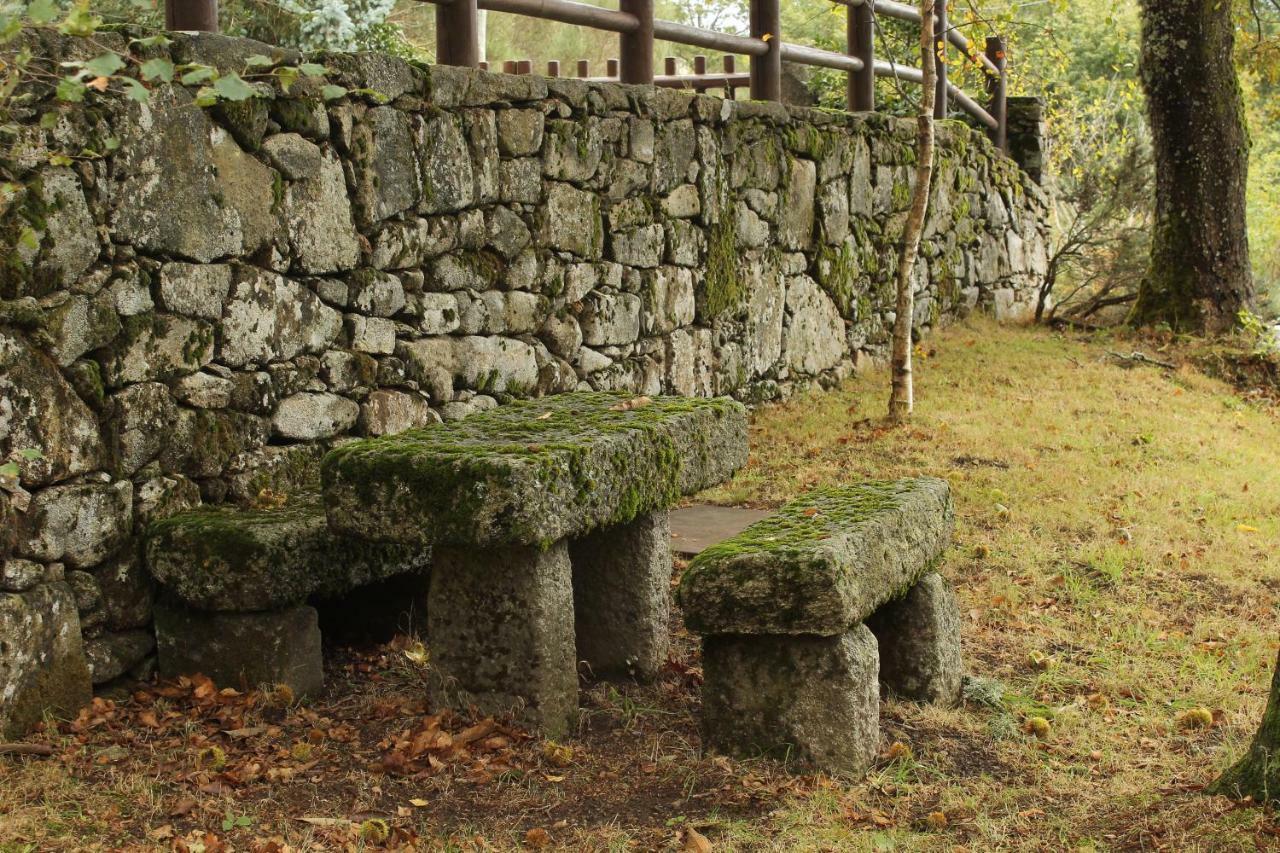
pixel 231 558
pixel 822 563
pixel 533 472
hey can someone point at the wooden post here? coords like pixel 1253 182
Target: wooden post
pixel 191 15
pixel 766 70
pixel 524 66
pixel 669 66
pixel 730 68
pixel 553 68
pixel 508 66
pixel 584 68
pixel 862 44
pixel 997 88
pixel 700 69
pixel 940 57
pixel 457 40
pixel 636 48
pixel 611 69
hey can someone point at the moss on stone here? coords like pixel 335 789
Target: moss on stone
pixel 822 563
pixel 722 285
pixel 230 558
pixel 533 472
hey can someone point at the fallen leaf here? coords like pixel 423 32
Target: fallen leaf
pixel 696 842
pixel 537 837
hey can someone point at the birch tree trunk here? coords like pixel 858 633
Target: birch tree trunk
pixel 901 398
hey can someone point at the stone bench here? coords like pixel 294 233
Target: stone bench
pixel 236 583
pixel 805 614
pixel 549 536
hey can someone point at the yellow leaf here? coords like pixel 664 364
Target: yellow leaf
pixel 1246 528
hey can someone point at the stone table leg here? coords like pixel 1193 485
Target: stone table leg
pixel 919 637
pixel 242 649
pixel 811 701
pixel 500 623
pixel 622 596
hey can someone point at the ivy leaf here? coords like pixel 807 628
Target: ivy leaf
pixel 9 471
pixel 259 61
pixel 312 69
pixel 59 160
pixel 30 454
pixel 152 41
pixel 206 97
pixel 42 11
pixel 157 69
pixel 134 91
pixel 71 90
pixel 287 77
pixel 332 92
pixel 104 65
pixel 49 121
pixel 197 74
pixel 80 21
pixel 230 87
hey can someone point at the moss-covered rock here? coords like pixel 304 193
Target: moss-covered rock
pixel 823 563
pixel 533 472
pixel 231 559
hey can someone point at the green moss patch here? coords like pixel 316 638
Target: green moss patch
pixel 234 559
pixel 823 563
pixel 533 472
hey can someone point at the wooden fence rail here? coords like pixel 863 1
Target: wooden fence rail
pixel 638 30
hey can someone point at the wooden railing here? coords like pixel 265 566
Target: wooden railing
pixel 637 28
pixel 637 31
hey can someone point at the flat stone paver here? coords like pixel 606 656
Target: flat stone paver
pixel 698 527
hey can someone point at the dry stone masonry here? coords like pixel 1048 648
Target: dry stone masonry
pixel 225 294
pixel 806 614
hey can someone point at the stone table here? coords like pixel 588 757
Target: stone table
pixel 547 524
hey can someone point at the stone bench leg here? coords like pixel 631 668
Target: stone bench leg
pixel 500 623
pixel 919 638
pixel 242 650
pixel 622 597
pixel 808 700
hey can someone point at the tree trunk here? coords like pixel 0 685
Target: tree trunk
pixel 1257 775
pixel 1199 276
pixel 901 397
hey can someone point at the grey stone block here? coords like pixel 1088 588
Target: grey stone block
pixel 43 667
pixel 533 472
pixel 621 596
pixel 242 650
pixel 233 559
pixel 821 564
pixel 501 627
pixel 810 701
pixel 919 638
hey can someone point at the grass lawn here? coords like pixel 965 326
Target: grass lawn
pixel 1117 563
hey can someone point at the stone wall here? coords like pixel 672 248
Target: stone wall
pixel 199 307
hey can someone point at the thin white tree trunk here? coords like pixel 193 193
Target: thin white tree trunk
pixel 901 399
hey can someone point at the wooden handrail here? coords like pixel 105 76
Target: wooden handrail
pixel 638 29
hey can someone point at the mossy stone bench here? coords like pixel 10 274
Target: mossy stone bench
pixel 236 583
pixel 549 536
pixel 805 614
